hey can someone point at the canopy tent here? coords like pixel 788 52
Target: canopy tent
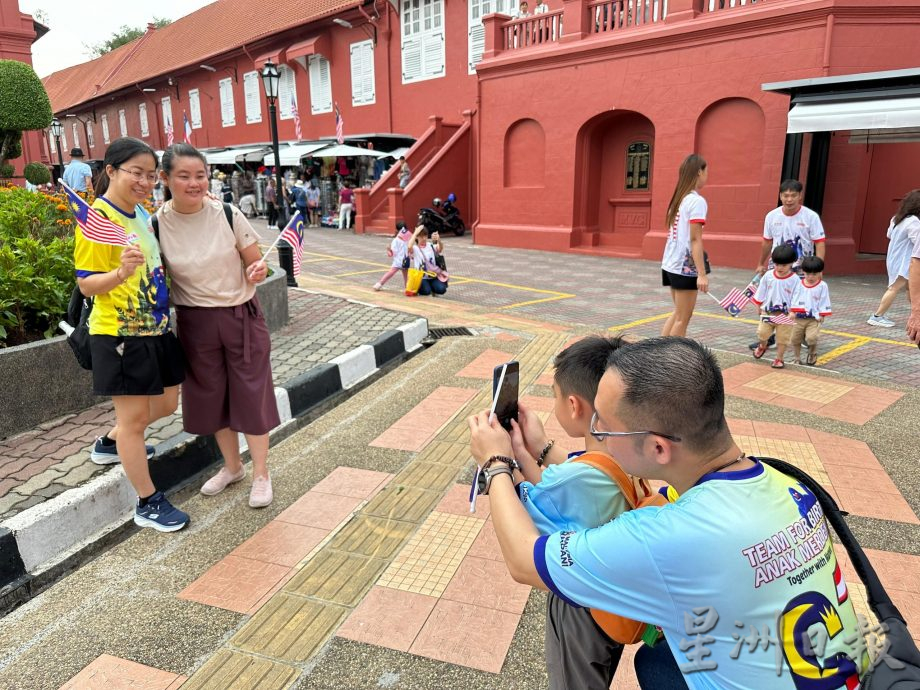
pixel 292 153
pixel 231 156
pixel 401 151
pixel 346 150
pixel 873 114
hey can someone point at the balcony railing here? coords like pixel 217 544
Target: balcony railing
pixel 716 5
pixel 605 16
pixel 531 31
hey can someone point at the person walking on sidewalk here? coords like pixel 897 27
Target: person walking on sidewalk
pixel 346 203
pixel 214 263
pixel 683 253
pixel 271 199
pixel 903 231
pixel 137 359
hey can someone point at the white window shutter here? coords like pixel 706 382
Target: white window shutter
pixel 433 55
pixel 286 90
pixel 122 123
pixel 477 45
pixel 76 134
pixel 227 113
pixel 194 107
pixel 64 146
pixel 105 128
pixel 320 85
pixel 251 97
pixel 411 59
pixel 363 87
pixel 167 113
pixel 90 134
pixel 142 116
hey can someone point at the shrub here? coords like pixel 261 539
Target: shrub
pixel 24 105
pixel 37 174
pixel 6 170
pixel 36 264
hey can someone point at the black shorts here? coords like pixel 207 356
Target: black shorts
pixel 136 365
pixel 676 281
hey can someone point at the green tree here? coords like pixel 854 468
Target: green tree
pixel 124 35
pixel 24 106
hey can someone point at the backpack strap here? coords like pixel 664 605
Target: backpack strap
pixel 228 213
pixel 609 466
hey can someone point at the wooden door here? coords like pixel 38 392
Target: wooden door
pixel 894 171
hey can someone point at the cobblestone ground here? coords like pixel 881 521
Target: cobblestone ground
pixel 622 294
pixel 46 461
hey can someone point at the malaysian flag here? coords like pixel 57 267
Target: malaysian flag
pixel 169 133
pixel 734 301
pixel 298 132
pixel 293 235
pixel 95 227
pixel 188 128
pixel 339 125
pixel 782 319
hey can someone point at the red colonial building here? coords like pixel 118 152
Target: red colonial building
pixel 562 131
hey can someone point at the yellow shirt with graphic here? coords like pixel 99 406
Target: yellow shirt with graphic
pixel 140 305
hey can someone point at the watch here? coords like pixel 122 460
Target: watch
pixel 484 480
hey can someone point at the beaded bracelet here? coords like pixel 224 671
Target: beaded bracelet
pixel 543 453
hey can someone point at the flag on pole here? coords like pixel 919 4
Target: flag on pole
pixel 293 235
pixel 298 131
pixel 339 125
pixel 188 128
pixel 781 319
pixel 95 227
pixel 734 301
pixel 169 133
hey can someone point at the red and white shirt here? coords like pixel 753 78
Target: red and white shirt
pixel 774 294
pixel 811 301
pixel 801 231
pixel 677 257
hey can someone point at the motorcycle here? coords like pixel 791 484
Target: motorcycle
pixel 448 220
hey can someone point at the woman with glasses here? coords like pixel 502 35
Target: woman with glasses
pixel 137 360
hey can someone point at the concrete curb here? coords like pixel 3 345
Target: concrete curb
pixel 43 542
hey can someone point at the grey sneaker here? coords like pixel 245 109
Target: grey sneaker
pixel 882 321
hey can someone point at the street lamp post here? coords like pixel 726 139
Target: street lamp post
pixel 271 81
pixel 57 129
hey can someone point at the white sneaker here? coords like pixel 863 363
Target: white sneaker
pixel 882 321
pixel 222 480
pixel 261 493
pixel 378 287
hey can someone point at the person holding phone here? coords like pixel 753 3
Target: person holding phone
pixel 424 256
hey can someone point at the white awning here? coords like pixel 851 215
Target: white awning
pixel 346 150
pixel 887 113
pixel 231 156
pixel 292 153
pixel 401 151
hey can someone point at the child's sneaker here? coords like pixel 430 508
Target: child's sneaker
pixel 378 287
pixel 160 514
pixel 107 453
pixel 812 359
pixel 778 364
pixel 882 321
pixel 760 350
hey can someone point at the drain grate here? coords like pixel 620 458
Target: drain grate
pixel 438 333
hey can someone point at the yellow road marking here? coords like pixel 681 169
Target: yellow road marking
pixel 537 301
pixel 639 322
pixel 842 350
pixel 356 273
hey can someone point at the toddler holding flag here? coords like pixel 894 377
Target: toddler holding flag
pixel 398 252
pixel 810 304
pixel 774 296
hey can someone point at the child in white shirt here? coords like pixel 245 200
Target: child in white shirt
pixel 398 252
pixel 811 303
pixel 774 297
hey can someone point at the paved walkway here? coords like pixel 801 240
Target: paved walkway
pixel 364 573
pixel 621 294
pixel 46 461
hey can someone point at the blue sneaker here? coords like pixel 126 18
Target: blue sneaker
pixel 160 514
pixel 107 454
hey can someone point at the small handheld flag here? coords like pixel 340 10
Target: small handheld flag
pixel 734 301
pixel 781 319
pixel 293 235
pixel 94 226
pixel 339 126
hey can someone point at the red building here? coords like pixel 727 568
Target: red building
pixel 568 134
pixel 18 31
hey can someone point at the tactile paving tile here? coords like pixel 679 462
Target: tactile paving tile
pixel 799 453
pixel 799 387
pixel 338 577
pixel 372 536
pixel 229 670
pixel 431 558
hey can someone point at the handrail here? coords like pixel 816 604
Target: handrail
pixel 605 16
pixel 535 29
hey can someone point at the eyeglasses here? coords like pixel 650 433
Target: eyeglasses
pixel 601 435
pixel 151 178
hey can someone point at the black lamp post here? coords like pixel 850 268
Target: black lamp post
pixel 57 129
pixel 271 81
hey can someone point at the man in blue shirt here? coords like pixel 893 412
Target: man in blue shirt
pixel 77 174
pixel 739 572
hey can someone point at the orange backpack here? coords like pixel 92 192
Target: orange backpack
pixel 638 493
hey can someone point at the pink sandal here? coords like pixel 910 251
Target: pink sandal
pixel 778 364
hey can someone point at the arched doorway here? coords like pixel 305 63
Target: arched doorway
pixel 613 182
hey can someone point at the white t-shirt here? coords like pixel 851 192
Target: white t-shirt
pixel 423 257
pixel 901 240
pixel 398 249
pixel 811 301
pixel 774 294
pixel 800 231
pixel 677 257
